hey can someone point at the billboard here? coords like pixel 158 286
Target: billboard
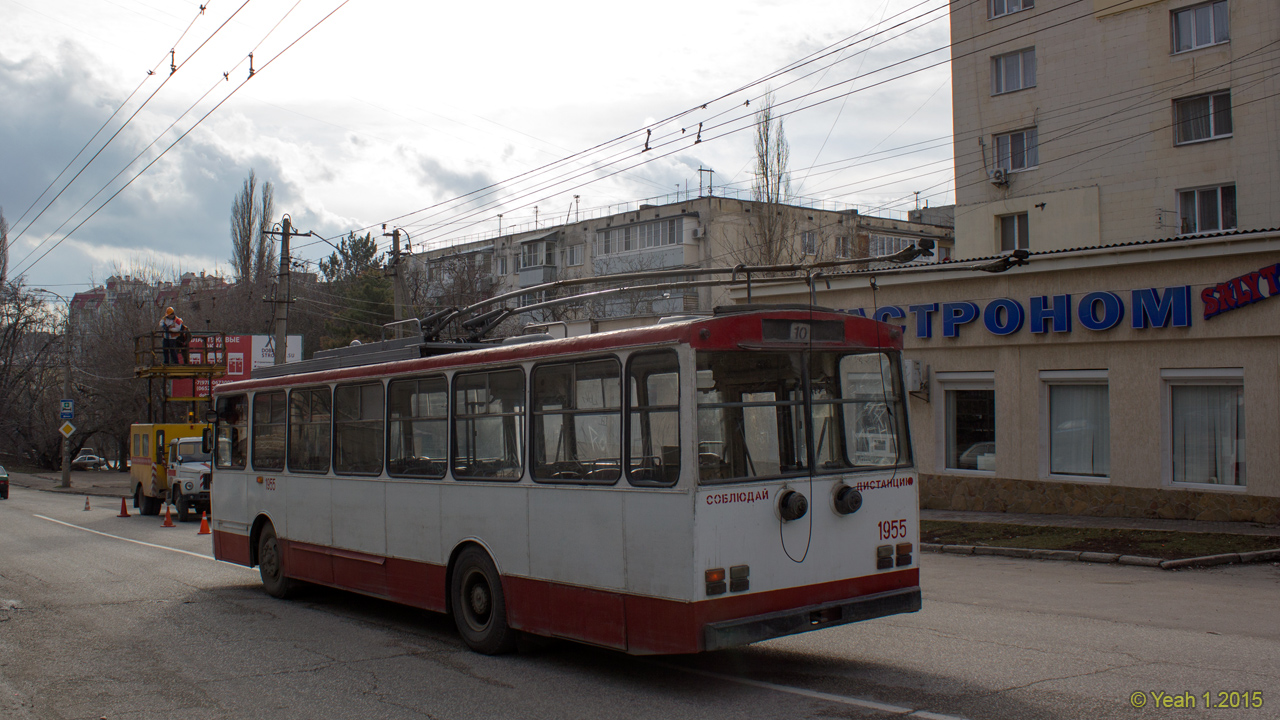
pixel 245 353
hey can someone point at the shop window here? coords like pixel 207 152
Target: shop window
pixel 1015 232
pixel 1204 117
pixel 1207 209
pixel 970 421
pixel 1077 420
pixel 1205 426
pixel 1013 71
pixel 1200 26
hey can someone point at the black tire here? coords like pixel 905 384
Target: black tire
pixel 479 606
pixel 183 506
pixel 150 505
pixel 137 496
pixel 4 492
pixel 271 564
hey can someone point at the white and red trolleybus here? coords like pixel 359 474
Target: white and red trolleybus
pixel 697 484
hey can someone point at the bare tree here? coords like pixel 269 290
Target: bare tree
pixel 30 377
pixel 245 222
pixel 4 248
pixel 772 239
pixel 264 253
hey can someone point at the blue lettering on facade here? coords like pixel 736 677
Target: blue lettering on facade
pixel 1152 310
pixel 1012 321
pixel 956 314
pixel 1058 314
pixel 924 319
pixel 1112 310
pixel 889 311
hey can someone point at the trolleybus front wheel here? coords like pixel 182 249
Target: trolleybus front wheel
pixel 479 607
pixel 271 564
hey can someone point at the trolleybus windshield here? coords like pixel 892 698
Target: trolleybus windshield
pixel 780 414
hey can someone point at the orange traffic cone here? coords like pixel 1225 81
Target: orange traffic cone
pixel 86 502
pixel 124 511
pixel 204 524
pixel 168 519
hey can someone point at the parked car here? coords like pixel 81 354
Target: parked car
pixel 4 483
pixel 88 461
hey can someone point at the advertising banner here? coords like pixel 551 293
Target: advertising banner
pixel 245 353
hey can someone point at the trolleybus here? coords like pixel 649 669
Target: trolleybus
pixel 697 484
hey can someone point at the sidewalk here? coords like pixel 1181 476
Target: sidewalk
pixel 1115 523
pixel 100 483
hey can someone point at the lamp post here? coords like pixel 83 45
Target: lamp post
pixel 66 383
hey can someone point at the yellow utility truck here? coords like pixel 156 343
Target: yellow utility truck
pixel 167 463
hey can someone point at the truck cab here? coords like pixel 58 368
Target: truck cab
pixel 189 477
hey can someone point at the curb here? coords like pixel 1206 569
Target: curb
pixel 1256 556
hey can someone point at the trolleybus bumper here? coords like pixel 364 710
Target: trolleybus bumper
pixel 732 633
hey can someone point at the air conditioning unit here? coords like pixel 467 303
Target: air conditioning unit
pixel 1000 178
pixel 699 232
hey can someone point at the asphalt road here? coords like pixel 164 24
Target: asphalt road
pixel 94 626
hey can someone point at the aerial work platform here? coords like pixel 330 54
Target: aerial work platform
pixel 204 358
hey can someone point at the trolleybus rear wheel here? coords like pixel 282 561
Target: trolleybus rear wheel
pixel 479 607
pixel 271 564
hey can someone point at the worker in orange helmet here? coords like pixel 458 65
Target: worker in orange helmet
pixel 170 326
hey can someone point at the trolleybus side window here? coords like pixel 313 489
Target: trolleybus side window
pixel 230 450
pixel 488 429
pixel 357 429
pixel 751 418
pixel 653 425
pixel 577 422
pixel 309 430
pixel 418 411
pixel 268 431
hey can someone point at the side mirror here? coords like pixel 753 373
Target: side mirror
pixel 206 441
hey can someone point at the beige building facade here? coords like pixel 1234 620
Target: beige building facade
pixel 1136 380
pixel 698 233
pixel 1111 121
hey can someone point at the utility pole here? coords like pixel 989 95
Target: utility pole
pixel 282 286
pixel 394 272
pixel 66 393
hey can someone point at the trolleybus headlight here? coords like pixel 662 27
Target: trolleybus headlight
pixel 847 500
pixel 792 505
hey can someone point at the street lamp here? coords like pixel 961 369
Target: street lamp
pixel 66 383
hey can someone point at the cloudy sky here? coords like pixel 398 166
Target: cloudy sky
pixel 438 116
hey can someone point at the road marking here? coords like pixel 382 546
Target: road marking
pixel 137 542
pixel 841 699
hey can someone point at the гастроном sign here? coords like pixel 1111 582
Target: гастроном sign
pixel 1097 311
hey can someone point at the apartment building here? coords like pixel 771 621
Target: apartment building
pixel 1092 123
pixel 695 232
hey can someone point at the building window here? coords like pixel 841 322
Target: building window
pixel 1017 150
pixel 809 242
pixel 502 264
pixel 1199 26
pixel 639 237
pixel 1015 232
pixel 1205 426
pixel 1004 7
pixel 535 254
pixel 1207 209
pixel 1014 71
pixel 970 420
pixel 576 254
pixel 881 245
pixel 844 247
pixel 1078 409
pixel 1204 117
